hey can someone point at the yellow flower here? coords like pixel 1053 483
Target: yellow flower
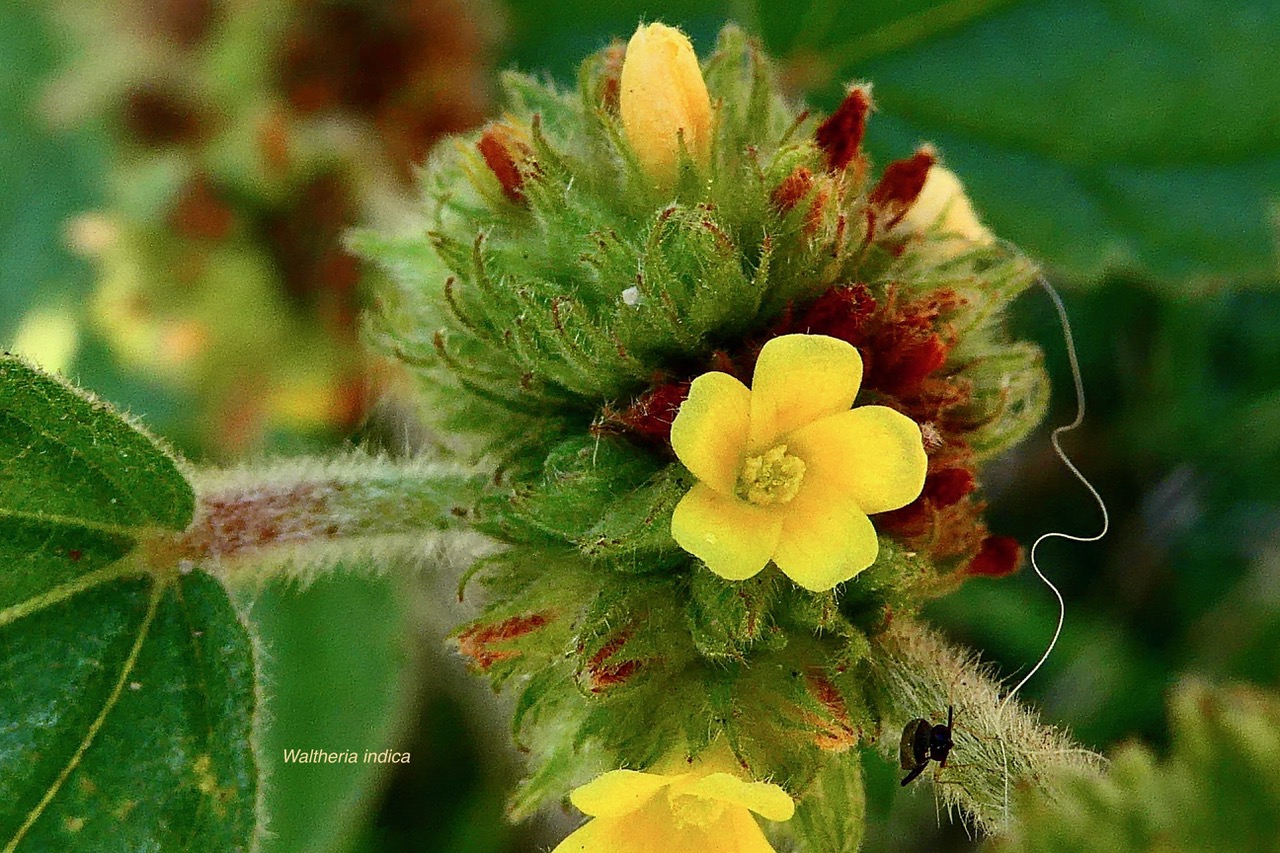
pixel 706 809
pixel 664 100
pixel 786 471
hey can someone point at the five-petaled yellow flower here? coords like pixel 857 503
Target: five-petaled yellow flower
pixel 705 809
pixel 786 470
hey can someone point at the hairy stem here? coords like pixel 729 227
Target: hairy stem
pixel 308 516
pixel 998 746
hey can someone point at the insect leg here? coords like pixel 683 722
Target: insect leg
pixel 914 773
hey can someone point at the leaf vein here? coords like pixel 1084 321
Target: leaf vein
pixel 143 631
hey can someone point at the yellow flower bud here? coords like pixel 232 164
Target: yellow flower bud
pixel 663 100
pixel 943 203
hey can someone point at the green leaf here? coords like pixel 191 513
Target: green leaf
pixel 71 460
pixel 1096 134
pixel 126 695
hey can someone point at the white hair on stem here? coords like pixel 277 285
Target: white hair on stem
pixel 920 674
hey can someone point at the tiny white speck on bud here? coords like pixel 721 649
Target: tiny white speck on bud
pixel 631 296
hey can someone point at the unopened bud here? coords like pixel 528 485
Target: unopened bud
pixel 664 101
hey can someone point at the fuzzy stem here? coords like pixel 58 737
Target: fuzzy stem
pixel 304 517
pixel 996 749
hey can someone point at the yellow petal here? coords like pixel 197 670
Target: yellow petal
pixel 740 833
pixel 618 792
pixel 800 379
pixel 872 453
pixel 734 538
pixel 641 832
pixel 663 100
pixel 769 801
pixel 595 836
pixel 826 537
pixel 709 434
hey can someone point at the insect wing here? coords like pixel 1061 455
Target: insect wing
pixel 914 747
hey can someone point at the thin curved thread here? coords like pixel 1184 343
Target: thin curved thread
pixel 1055 439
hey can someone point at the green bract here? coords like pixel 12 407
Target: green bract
pixel 554 301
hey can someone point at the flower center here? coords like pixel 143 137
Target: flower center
pixel 688 810
pixel 773 477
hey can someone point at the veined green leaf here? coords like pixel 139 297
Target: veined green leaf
pixel 127 696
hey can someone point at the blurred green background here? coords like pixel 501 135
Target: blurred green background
pixel 1132 146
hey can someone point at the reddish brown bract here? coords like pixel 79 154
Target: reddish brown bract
pixel 499 151
pixel 900 185
pixel 835 733
pixel 840 136
pixel 949 486
pixel 477 641
pixel 792 190
pixel 603 673
pixel 998 556
pixel 651 415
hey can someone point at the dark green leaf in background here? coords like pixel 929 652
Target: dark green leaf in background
pixel 339 674
pixel 126 698
pixel 1096 134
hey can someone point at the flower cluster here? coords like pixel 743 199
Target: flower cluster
pixel 706 807
pixel 735 387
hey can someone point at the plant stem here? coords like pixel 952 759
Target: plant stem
pixel 303 517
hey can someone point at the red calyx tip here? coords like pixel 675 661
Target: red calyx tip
pixel 901 183
pixel 997 557
pixel 840 136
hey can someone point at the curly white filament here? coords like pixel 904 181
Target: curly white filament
pixel 1055 438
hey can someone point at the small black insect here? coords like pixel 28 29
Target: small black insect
pixel 922 742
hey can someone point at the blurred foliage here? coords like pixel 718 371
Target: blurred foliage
pixel 1215 790
pixel 1097 134
pixel 1140 133
pixel 331 681
pixel 44 177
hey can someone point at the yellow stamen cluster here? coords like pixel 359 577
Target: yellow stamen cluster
pixel 773 477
